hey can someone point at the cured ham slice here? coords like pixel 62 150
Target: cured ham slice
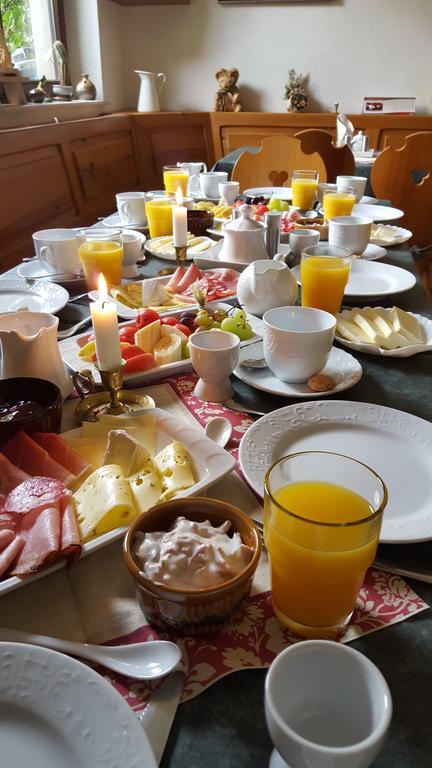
pixel 6 536
pixel 9 554
pixel 8 521
pixel 26 454
pixel 63 453
pixel 177 276
pixel 217 285
pixel 70 544
pixel 34 494
pixel 192 275
pixel 10 475
pixel 40 530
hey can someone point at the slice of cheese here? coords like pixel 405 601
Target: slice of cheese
pixel 407 325
pixel 378 319
pixel 146 488
pixel 125 451
pixel 104 502
pixel 366 326
pixel 351 331
pixel 91 449
pixel 176 467
pixel 142 426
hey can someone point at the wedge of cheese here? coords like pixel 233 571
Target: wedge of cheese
pixel 176 469
pixel 124 450
pixel 104 502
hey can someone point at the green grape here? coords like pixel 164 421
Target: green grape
pixel 283 205
pixel 245 332
pixel 239 316
pixel 274 204
pixel 230 325
pixel 185 351
pixel 203 320
pixel 219 315
pixel 216 325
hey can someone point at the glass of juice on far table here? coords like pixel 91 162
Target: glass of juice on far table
pixel 101 250
pixel 324 273
pixel 304 186
pixel 322 520
pixel 174 177
pixel 159 216
pixel 338 202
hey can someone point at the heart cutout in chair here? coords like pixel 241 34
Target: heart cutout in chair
pixel 278 178
pixel 419 177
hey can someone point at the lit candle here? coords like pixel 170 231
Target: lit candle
pixel 179 221
pixel 106 330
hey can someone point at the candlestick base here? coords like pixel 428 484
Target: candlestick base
pixel 181 254
pixel 94 401
pixel 112 382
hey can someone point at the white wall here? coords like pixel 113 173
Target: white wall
pixel 348 48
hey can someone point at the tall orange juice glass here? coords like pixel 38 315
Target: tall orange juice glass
pixel 322 520
pixel 101 250
pixel 304 185
pixel 174 177
pixel 159 216
pixel 338 202
pixel 324 273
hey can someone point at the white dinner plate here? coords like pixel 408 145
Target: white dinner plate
pixel 56 711
pixel 367 200
pixel 35 271
pixel 114 222
pixel 372 349
pixel 397 445
pixel 344 369
pixel 281 193
pixel 377 212
pixel 211 463
pixel 400 236
pixel 16 293
pixel 205 243
pixel 370 279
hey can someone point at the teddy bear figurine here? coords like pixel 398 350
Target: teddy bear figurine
pixel 228 96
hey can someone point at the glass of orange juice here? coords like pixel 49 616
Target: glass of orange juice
pixel 101 250
pixel 175 176
pixel 324 273
pixel 322 520
pixel 338 202
pixel 159 216
pixel 304 186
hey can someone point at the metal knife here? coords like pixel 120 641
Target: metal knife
pixel 160 712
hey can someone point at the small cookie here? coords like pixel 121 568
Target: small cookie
pixel 321 383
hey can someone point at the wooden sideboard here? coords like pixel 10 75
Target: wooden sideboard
pixel 67 174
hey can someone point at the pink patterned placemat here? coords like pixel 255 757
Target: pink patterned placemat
pixel 256 638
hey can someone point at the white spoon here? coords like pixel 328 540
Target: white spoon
pixel 219 429
pixel 142 661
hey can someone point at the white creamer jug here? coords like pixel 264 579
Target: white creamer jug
pixel 265 285
pixel 30 348
pixel 244 239
pixel 150 89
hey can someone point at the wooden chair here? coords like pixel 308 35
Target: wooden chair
pixel 404 176
pixel 279 155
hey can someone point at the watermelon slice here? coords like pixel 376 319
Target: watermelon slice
pixel 26 454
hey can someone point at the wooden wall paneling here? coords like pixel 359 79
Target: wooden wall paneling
pixel 105 165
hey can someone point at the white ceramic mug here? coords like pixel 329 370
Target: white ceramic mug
pixel 131 208
pixel 326 705
pixel 297 341
pixel 301 238
pixel 57 250
pixel 209 183
pixel 194 170
pixel 214 355
pixel 358 183
pixel 229 191
pixel 133 243
pixel 351 232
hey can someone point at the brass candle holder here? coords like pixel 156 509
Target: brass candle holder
pixel 112 383
pixel 181 254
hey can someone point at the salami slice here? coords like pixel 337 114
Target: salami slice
pixel 34 494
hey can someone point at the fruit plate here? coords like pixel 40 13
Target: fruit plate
pixel 211 463
pixel 69 349
pixel 373 349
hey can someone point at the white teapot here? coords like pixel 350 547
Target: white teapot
pixel 244 239
pixel 266 284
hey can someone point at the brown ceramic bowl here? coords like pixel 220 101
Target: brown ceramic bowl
pixel 198 222
pixel 40 391
pixel 193 612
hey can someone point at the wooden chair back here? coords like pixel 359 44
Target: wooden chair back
pixel 279 155
pixel 404 176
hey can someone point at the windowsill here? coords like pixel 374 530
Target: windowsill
pixel 13 116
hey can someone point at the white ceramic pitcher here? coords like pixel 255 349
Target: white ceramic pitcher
pixel 266 284
pixel 150 89
pixel 30 348
pixel 194 170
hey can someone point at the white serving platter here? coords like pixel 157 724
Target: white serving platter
pixel 397 445
pixel 400 236
pixel 211 463
pixel 373 349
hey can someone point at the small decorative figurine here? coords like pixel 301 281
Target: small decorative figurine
pixel 63 61
pixel 228 96
pixel 38 95
pixel 295 92
pixel 85 89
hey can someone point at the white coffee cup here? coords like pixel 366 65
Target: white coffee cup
pixel 133 243
pixel 301 238
pixel 326 705
pixel 358 183
pixel 351 232
pixel 57 250
pixel 209 183
pixel 214 355
pixel 131 208
pixel 297 341
pixel 229 190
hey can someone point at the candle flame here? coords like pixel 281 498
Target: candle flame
pixel 179 196
pixel 102 288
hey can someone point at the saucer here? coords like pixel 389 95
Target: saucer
pixel 113 222
pixel 341 366
pixel 197 196
pixel 35 271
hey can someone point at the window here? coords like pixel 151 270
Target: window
pixel 30 28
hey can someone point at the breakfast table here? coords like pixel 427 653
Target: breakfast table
pixel 225 724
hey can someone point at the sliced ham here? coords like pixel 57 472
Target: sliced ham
pixel 40 530
pixel 34 494
pixel 26 454
pixel 9 521
pixel 216 285
pixel 70 543
pixel 10 553
pixel 192 275
pixel 172 284
pixel 6 536
pixel 10 475
pixel 61 451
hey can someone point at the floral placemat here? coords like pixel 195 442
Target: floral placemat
pixel 256 638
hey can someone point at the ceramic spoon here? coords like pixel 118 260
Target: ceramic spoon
pixel 219 429
pixel 142 661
